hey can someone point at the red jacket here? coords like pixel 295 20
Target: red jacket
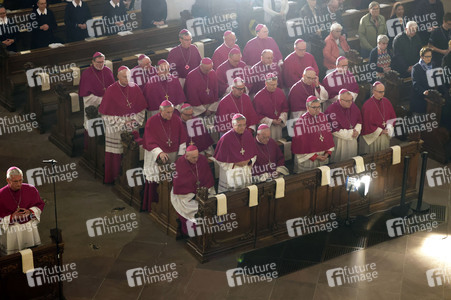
pixel 331 52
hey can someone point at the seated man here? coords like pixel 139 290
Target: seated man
pixel 235 153
pixel 164 139
pixel 163 86
pixel 272 107
pixel 406 47
pixel 193 172
pixel 258 72
pixel 376 114
pixel 312 143
pixel 142 73
pixel 346 121
pixel 340 78
pixel 222 52
pixel 9 33
pixel 197 133
pixel 123 109
pixel 235 102
pixel 253 49
pixel 296 62
pixel 76 15
pixel 201 88
pixel 42 34
pixel 233 65
pixel 270 161
pixel 20 212
pixel 304 88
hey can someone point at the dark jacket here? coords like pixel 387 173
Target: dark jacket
pixel 406 53
pixel 74 16
pixel 41 38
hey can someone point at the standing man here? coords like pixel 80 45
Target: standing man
pixel 296 62
pixel 438 40
pixel 93 83
pixel 164 139
pixel 257 74
pixel 163 86
pixel 76 15
pixel 222 52
pixel 253 49
pixel 406 49
pixel 142 73
pixel 235 153
pixel 193 172
pixel 123 109
pixel 236 102
pixel 20 213
pixel 201 88
pixel 312 142
pixel 185 57
pixel 376 112
pixel 42 34
pixel 304 88
pixel 272 107
pixel 346 121
pixel 270 161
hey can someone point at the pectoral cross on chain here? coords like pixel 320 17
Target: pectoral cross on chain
pixel 383 124
pixel 275 112
pixel 242 151
pixel 169 142
pixel 208 91
pixel 321 138
pixel 129 104
pixel 167 97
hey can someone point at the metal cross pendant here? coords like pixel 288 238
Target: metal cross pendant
pixel 275 112
pixel 167 97
pixel 191 143
pixel 242 151
pixel 129 104
pixel 383 124
pixel 321 138
pixel 208 91
pixel 169 142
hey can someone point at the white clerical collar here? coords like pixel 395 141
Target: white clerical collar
pixel 4 21
pixel 121 84
pixel 75 4
pixel 42 13
pixel 114 5
pixel 258 140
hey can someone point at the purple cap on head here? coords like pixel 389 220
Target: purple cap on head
pixel 166 103
pixel 186 106
pixel 191 148
pixel 162 61
pixel 142 56
pixel 122 68
pixel 376 83
pixel 339 59
pixel 98 54
pixel 262 126
pixel 183 31
pixel 311 99
pixel 259 27
pixel 238 116
pixel 228 32
pixel 206 61
pixel 298 41
pixel 342 91
pixel 234 51
pixel 238 81
pixel 271 77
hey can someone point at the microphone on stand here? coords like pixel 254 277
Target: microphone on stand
pixel 49 161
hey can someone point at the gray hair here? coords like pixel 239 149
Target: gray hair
pixel 411 24
pixel 382 38
pixel 336 26
pixel 235 121
pixel 267 51
pixel 13 171
pixel 311 102
pixel 373 4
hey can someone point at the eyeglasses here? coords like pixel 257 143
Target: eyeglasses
pixel 240 89
pixel 347 101
pixel 427 56
pixel 315 107
pixel 311 78
pixel 380 91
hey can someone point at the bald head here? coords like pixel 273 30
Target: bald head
pixel 267 57
pixel 230 40
pixel 192 156
pixel 263 135
pixel 145 63
pixel 123 76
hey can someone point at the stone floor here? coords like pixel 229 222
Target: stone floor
pixel 102 261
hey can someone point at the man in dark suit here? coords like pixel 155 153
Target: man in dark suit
pixel 76 15
pixel 42 35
